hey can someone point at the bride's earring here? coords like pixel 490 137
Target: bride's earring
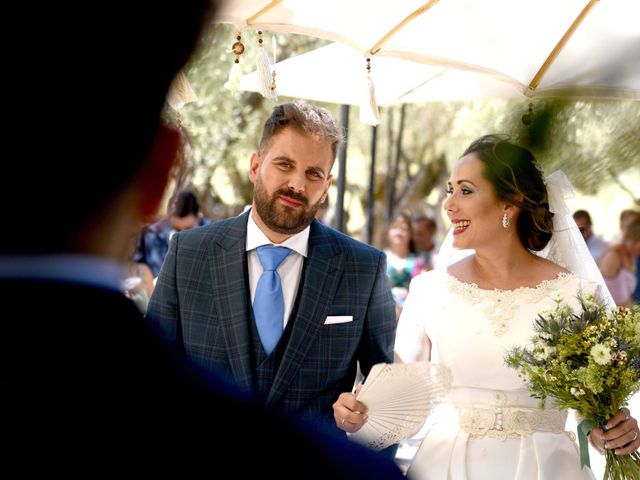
pixel 505 221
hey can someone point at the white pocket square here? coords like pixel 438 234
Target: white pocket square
pixel 338 319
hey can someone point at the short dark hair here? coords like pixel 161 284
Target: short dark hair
pixel 517 179
pixel 582 214
pixel 184 204
pixel 431 223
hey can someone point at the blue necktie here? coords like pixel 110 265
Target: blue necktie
pixel 268 303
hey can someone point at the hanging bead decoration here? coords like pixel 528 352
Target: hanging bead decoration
pixel 369 112
pixel 527 118
pixel 238 47
pixel 235 74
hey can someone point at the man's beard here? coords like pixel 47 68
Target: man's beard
pixel 282 218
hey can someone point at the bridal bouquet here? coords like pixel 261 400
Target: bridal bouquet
pixel 587 361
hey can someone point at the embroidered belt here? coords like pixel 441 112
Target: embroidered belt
pixel 509 422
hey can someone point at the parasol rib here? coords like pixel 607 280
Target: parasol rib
pixel 262 11
pixel 376 48
pixel 559 46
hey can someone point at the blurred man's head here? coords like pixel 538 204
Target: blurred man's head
pixel 184 211
pixel 95 93
pixel 583 220
pixel 424 230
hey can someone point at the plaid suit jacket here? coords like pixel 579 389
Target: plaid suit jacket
pixel 202 305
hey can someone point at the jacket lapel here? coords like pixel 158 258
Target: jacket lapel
pixel 231 289
pixel 322 273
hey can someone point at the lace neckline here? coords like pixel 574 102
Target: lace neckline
pixel 501 305
pixel 542 285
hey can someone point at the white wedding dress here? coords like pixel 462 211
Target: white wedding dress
pixel 488 427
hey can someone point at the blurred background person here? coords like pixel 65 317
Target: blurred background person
pixel 423 233
pixel 137 280
pixel 403 262
pixel 138 284
pixel 153 242
pixel 595 244
pixel 628 216
pixel 618 265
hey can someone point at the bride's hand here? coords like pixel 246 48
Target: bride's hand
pixel 350 414
pixel 621 434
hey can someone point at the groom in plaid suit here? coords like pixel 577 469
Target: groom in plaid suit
pixel 338 308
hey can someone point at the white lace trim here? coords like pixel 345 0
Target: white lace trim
pixel 501 305
pixel 509 422
pixel 499 419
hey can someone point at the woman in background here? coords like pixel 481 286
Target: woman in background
pixel 618 265
pixel 403 262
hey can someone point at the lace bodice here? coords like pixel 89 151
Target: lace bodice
pixel 470 328
pixel 500 306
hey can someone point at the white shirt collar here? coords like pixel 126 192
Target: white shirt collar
pixel 256 238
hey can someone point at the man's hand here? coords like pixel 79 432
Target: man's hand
pixel 350 414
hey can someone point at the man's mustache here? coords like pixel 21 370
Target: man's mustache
pixel 291 194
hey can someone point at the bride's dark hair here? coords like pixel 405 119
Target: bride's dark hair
pixel 517 179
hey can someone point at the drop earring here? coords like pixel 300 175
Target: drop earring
pixel 505 221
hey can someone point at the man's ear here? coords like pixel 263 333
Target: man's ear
pixel 254 166
pixel 153 177
pixel 326 188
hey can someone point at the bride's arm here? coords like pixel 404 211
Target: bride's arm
pixel 412 343
pixel 424 356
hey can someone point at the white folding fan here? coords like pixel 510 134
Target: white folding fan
pixel 399 398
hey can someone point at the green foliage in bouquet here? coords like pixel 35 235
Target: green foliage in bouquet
pixel 587 361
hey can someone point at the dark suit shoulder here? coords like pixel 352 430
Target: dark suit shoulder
pixel 355 249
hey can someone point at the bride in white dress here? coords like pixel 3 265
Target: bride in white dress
pixel 468 315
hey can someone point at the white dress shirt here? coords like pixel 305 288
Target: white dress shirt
pixel 290 270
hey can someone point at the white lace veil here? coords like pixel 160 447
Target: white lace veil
pixel 567 247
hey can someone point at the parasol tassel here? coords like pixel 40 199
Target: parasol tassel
pixel 233 82
pixel 266 80
pixel 180 92
pixel 369 112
